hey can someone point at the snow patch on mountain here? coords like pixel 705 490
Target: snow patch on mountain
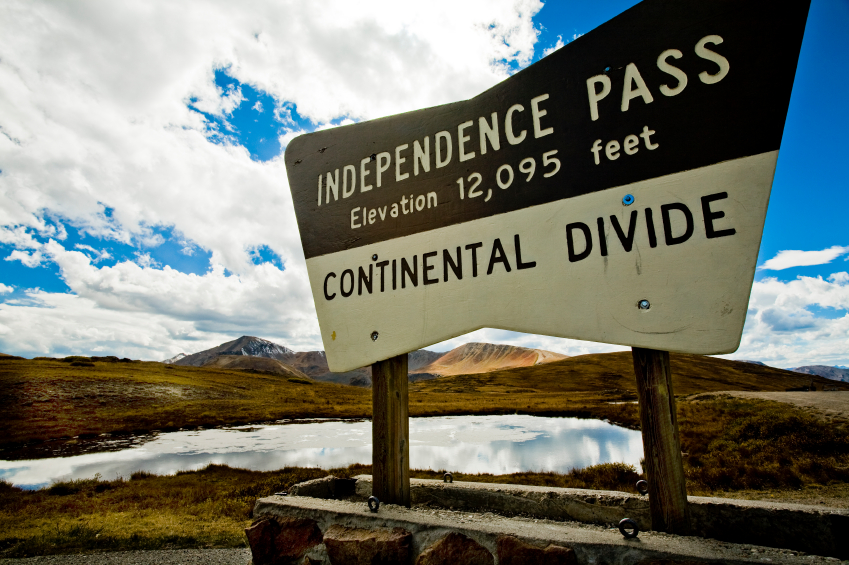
pixel 174 359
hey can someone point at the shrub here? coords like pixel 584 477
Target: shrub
pixel 75 359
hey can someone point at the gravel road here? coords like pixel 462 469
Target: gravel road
pixel 834 404
pixel 170 557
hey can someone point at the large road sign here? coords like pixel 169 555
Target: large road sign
pixel 614 191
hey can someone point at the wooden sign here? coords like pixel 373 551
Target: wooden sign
pixel 614 191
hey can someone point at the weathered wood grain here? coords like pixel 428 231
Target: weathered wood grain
pixel 391 431
pixel 663 466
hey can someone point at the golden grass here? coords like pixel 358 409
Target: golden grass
pixel 738 444
pixel 79 397
pixel 206 508
pixel 49 399
pixel 758 448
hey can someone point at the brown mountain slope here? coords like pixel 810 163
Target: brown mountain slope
pixel 615 372
pixel 420 358
pixel 258 364
pixel 7 356
pixel 485 357
pixel 312 363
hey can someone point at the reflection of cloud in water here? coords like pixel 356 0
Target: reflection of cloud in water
pixel 470 444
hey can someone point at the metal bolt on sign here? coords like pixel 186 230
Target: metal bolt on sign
pixel 643 304
pixel 628 199
pixel 374 335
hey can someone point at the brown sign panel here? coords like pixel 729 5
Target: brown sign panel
pixel 631 167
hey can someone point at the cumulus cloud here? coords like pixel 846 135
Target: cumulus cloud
pixel 97 255
pixel 95 102
pixel 560 43
pixel 169 311
pixel 557 45
pixel 800 322
pixel 6 289
pixel 33 259
pixel 794 258
pixel 101 128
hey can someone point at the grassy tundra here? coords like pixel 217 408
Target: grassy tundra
pixel 733 447
pixel 64 402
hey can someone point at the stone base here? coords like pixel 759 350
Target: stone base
pixel 822 531
pixel 433 536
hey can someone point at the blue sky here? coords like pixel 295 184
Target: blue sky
pixel 125 184
pixel 806 210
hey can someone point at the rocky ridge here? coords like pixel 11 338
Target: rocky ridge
pixel 834 373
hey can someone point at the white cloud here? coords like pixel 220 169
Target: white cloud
pixel 33 259
pixel 96 131
pixel 6 289
pixel 794 258
pixel 97 256
pixel 166 311
pixel 548 51
pixel 560 43
pixel 288 136
pixel 145 260
pixel 20 238
pixel 785 329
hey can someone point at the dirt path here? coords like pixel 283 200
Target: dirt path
pixel 831 404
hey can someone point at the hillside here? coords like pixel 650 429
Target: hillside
pixel 7 356
pixel 485 357
pixel 311 363
pixel 254 364
pixel 691 374
pixel 72 401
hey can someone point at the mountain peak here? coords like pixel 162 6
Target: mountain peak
pixel 255 347
pixel 833 373
pixel 248 345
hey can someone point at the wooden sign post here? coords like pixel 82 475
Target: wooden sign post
pixel 390 431
pixel 661 444
pixel 614 191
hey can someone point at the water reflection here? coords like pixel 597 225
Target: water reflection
pixel 468 444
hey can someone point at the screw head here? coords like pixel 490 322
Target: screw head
pixel 643 304
pixel 628 199
pixel 374 257
pixel 374 335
